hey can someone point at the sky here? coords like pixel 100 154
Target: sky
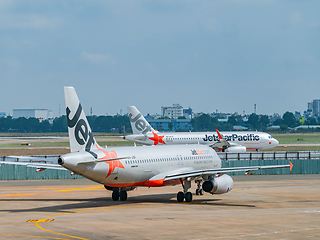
pixel 209 55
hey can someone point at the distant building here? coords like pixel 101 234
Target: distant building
pixel 308 113
pixel 33 113
pixel 187 113
pixel 2 114
pixel 310 107
pixel 240 128
pixel 223 120
pixel 313 108
pixel 172 112
pixel 274 117
pixel 316 107
pixel 297 115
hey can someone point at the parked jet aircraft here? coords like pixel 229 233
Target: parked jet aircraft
pixel 124 168
pixel 143 133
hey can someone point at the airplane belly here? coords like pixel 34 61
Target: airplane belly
pixel 96 172
pixel 129 177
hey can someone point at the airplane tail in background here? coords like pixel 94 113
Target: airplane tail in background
pixel 80 134
pixel 139 124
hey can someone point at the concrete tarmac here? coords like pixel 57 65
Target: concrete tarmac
pixel 258 207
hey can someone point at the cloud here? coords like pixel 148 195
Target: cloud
pixel 98 58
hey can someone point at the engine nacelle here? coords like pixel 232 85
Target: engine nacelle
pixel 218 185
pixel 237 149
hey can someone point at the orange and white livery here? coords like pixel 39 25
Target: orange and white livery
pixel 232 141
pixel 124 168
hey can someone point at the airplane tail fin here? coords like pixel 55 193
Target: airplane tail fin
pixel 139 124
pixel 80 134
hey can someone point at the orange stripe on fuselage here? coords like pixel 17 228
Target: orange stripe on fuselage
pixel 153 183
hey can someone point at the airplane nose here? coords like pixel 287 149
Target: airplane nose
pixel 275 142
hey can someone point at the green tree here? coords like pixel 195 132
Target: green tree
pixel 232 120
pixel 60 124
pixel 311 121
pixel 278 122
pixel 253 121
pixel 205 123
pixel 44 126
pixel 235 120
pixel 264 121
pixel 5 124
pixel 289 119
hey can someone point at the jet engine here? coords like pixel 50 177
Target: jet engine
pixel 236 149
pixel 218 185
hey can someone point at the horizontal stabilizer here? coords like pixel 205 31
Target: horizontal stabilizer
pixel 36 165
pixel 37 159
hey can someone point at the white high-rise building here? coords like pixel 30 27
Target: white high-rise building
pixel 316 107
pixel 172 112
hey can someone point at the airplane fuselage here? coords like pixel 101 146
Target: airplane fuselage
pixel 144 165
pixel 249 139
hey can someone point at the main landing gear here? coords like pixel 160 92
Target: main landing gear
pixel 185 194
pixel 118 193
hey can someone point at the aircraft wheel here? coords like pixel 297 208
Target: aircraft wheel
pixel 201 192
pixel 188 197
pixel 180 197
pixel 115 195
pixel 197 192
pixel 123 195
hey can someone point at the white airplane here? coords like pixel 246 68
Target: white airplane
pixel 143 133
pixel 125 168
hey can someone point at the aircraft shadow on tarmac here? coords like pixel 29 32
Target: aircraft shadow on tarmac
pixel 108 202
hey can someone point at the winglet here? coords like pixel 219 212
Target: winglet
pixel 219 135
pixel 291 165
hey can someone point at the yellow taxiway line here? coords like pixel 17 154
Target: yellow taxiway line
pixel 31 236
pixel 47 219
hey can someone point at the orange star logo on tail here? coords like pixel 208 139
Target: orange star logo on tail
pixel 157 139
pixel 112 164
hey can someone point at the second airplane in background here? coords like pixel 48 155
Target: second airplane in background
pixel 233 141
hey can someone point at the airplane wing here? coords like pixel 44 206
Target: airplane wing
pixel 221 171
